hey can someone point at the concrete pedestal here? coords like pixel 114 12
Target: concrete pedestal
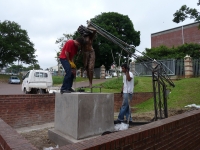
pixel 82 115
pixel 62 139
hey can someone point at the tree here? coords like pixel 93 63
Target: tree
pixel 18 68
pixel 34 66
pixel 61 41
pixel 58 61
pixel 185 12
pixel 78 59
pixel 163 52
pixel 117 24
pixel 14 68
pixel 121 27
pixel 15 45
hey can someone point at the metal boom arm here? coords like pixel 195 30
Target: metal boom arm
pixel 160 79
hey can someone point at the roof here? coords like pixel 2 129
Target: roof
pixel 177 28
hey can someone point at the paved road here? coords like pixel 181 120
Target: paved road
pixel 7 89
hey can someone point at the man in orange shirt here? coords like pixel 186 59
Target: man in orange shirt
pixel 66 58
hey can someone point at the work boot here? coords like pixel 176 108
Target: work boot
pixel 65 91
pixel 72 90
pixel 117 121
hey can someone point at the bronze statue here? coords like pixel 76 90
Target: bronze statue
pixel 88 33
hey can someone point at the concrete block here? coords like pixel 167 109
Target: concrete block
pixel 63 139
pixel 59 138
pixel 82 115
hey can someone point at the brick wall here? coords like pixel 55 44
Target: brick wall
pixel 10 139
pixel 175 37
pixel 137 98
pixel 27 110
pixel 177 132
pixel 31 109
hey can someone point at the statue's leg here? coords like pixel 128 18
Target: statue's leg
pixel 91 67
pixel 85 61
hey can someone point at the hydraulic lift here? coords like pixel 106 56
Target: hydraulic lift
pixel 160 80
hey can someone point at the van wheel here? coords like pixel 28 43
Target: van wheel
pixel 25 91
pixel 40 91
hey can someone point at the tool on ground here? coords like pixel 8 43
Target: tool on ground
pixel 82 89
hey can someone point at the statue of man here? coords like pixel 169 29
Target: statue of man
pixel 88 52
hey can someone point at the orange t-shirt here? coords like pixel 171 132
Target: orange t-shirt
pixel 69 47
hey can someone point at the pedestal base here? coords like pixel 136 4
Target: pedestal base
pixel 82 115
pixel 63 139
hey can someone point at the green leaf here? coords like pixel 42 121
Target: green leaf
pixel 15 44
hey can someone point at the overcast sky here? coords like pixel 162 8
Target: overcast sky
pixel 47 20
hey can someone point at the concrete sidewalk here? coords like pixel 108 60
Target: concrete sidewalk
pixel 46 125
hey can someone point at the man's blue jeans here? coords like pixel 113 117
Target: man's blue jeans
pixel 68 79
pixel 125 110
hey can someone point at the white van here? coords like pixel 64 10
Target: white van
pixel 37 82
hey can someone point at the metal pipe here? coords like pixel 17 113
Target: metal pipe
pixel 182 35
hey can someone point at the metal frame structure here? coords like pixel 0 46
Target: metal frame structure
pixel 160 79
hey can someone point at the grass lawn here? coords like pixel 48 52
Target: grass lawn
pixel 141 84
pixel 113 85
pixel 185 92
pixel 57 80
pixel 4 77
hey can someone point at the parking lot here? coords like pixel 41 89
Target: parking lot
pixel 8 89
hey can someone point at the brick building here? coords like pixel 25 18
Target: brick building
pixel 176 36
